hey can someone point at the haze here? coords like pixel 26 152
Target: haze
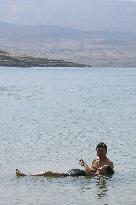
pixel 97 15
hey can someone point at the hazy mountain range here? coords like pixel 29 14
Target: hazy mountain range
pixel 42 32
pixel 95 32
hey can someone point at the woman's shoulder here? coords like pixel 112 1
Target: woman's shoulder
pixel 110 163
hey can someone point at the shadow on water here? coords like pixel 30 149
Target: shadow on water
pixel 102 185
pixel 98 185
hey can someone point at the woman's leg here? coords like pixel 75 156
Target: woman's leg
pixel 45 173
pixel 48 174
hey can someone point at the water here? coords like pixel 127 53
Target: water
pixel 50 118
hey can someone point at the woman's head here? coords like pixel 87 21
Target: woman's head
pixel 101 149
pixel 102 145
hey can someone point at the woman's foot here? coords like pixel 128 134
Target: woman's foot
pixel 18 173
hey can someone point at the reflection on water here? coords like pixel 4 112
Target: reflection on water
pixel 49 119
pixel 102 186
pixel 99 184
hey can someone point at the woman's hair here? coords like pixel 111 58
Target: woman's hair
pixel 102 144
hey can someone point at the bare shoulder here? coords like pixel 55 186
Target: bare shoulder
pixel 110 162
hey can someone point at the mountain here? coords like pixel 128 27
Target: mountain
pixel 91 32
pixel 7 59
pixel 95 48
pixel 43 32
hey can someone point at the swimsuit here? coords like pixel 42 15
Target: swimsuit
pixel 74 173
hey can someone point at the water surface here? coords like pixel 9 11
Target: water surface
pixel 50 118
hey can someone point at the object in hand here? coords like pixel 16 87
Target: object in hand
pixel 81 161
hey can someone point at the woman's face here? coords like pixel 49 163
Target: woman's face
pixel 101 151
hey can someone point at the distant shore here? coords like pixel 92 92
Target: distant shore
pixel 10 60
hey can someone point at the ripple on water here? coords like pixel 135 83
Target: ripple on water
pixel 51 119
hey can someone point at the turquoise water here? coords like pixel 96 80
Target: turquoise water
pixel 50 118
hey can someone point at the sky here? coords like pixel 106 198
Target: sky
pixel 71 13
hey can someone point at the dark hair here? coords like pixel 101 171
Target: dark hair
pixel 102 144
pixel 109 170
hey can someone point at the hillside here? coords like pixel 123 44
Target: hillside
pixel 95 48
pixel 10 60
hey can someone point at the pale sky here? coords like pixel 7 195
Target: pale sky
pixel 72 13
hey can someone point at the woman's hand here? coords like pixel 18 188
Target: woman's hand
pixel 81 161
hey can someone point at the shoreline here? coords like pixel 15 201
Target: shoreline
pixel 17 61
pixel 9 60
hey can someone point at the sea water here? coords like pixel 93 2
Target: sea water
pixel 50 118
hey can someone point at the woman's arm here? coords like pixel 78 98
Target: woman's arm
pixel 87 169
